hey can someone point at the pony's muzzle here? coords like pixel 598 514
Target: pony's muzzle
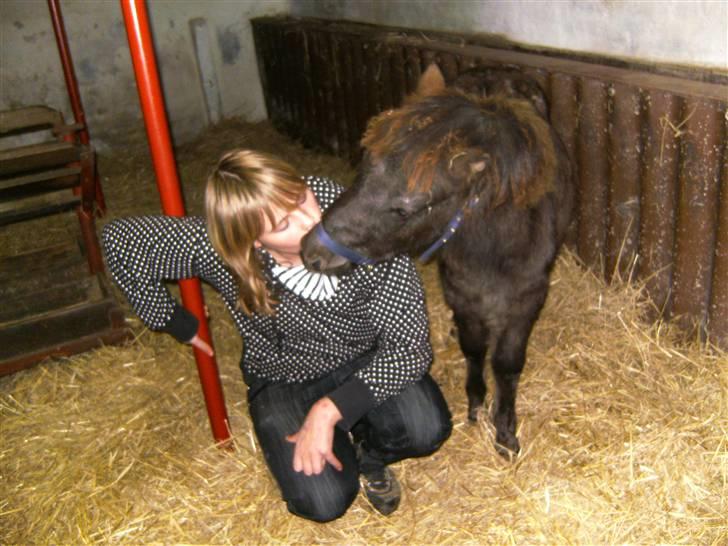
pixel 316 257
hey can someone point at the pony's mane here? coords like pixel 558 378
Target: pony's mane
pixel 429 134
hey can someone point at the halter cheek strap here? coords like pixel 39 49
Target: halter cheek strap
pixel 451 228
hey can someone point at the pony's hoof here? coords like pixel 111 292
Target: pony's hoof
pixel 507 446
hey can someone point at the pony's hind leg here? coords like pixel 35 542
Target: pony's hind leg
pixel 473 338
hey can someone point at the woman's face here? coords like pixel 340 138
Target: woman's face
pixel 283 239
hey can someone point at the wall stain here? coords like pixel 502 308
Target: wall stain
pixel 229 45
pixel 87 70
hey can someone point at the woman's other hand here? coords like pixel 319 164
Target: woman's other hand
pixel 315 439
pixel 200 344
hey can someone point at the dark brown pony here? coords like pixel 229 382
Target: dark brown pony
pixel 492 159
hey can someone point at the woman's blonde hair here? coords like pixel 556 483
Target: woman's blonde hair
pixel 244 186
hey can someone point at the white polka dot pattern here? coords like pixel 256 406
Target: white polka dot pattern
pixel 380 307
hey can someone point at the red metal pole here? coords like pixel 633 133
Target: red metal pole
pixel 72 85
pixel 155 118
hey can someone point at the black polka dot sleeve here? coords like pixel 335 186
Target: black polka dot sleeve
pixel 143 252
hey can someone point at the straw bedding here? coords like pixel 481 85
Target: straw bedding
pixel 623 424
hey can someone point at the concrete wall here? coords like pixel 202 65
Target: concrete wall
pixel 30 70
pixel 677 32
pixel 688 32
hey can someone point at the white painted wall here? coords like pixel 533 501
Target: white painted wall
pixel 30 70
pixel 688 32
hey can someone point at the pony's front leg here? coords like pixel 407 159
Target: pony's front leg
pixel 473 338
pixel 508 361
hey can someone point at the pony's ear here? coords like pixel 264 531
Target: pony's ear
pixel 466 164
pixel 430 83
pixel 478 171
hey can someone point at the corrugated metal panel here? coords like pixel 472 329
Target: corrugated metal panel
pixel 649 146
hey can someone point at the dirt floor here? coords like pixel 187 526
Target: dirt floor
pixel 624 424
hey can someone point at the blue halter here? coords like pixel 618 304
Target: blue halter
pixel 354 257
pixel 345 252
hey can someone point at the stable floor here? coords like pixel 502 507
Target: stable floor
pixel 624 424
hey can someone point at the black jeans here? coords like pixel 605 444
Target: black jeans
pixel 412 424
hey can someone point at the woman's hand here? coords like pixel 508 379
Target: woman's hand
pixel 198 343
pixel 315 439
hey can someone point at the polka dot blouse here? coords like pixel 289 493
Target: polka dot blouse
pixel 381 308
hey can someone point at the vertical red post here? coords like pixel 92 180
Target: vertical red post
pixel 155 118
pixel 72 85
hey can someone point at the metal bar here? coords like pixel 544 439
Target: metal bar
pixel 155 118
pixel 74 96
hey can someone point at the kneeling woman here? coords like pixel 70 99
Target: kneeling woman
pixel 322 356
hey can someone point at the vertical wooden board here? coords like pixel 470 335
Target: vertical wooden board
pixel 659 195
pixel 384 76
pixel 541 77
pixel 293 61
pixel 324 83
pixel 288 64
pixel 593 173
pixel 697 215
pixel 427 57
pixel 321 137
pixel 718 312
pixel 309 127
pixel 398 81
pixel 624 185
pixel 278 73
pixel 351 105
pixel 448 65
pixel 359 66
pixel 563 110
pixel 280 50
pixel 339 95
pixel 413 70
pixel 374 64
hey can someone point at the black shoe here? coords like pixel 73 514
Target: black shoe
pixel 382 489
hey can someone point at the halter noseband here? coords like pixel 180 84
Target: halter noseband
pixel 339 249
pixel 354 257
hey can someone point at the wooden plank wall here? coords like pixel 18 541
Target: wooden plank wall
pixel 649 145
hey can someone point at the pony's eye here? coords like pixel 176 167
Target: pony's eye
pixel 402 213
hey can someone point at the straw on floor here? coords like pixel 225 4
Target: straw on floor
pixel 623 424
